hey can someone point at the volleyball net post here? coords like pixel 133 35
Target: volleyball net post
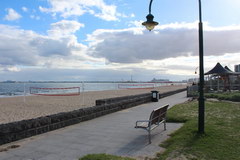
pixel 83 92
pixel 24 90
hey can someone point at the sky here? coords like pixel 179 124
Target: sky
pixel 103 40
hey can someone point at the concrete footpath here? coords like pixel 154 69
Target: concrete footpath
pixel 112 134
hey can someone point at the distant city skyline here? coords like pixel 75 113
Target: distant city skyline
pixel 103 40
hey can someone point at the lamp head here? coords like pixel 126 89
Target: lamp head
pixel 150 24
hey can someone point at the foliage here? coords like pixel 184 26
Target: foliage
pixel 231 96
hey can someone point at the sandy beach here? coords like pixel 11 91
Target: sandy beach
pixel 20 108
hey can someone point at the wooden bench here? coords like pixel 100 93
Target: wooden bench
pixel 157 117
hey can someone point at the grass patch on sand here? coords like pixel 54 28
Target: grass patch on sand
pixel 222 132
pixel 103 157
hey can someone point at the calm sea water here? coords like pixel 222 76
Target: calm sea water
pixel 19 89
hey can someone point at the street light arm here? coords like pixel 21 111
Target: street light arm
pixel 150 23
pixel 200 9
pixel 150 6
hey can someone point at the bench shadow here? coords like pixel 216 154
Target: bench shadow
pixel 139 143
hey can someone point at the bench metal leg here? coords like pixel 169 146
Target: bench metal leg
pixel 149 137
pixel 164 125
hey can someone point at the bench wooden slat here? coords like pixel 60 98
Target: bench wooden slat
pixel 157 117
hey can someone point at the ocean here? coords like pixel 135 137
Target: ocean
pixel 21 89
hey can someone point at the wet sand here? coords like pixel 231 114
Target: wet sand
pixel 16 108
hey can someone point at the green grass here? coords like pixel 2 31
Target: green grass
pixel 103 157
pixel 221 140
pixel 231 96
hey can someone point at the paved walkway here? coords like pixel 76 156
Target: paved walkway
pixel 111 134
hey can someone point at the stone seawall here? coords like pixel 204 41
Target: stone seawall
pixel 26 128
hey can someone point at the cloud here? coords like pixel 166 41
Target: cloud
pixel 169 51
pixel 40 74
pixel 127 47
pixel 64 28
pixel 27 48
pixel 14 46
pixel 173 40
pixel 35 17
pixel 68 8
pixel 48 47
pixel 25 9
pixel 221 42
pixel 12 15
pixel 12 69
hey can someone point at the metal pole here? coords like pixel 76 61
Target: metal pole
pixel 83 91
pixel 24 90
pixel 201 104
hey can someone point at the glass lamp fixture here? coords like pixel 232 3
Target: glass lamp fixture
pixel 150 23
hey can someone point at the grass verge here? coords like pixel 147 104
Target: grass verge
pixel 222 133
pixel 104 157
pixel 231 96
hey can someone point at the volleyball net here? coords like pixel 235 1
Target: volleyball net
pixel 136 86
pixel 67 91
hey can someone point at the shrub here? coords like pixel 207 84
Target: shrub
pixel 225 96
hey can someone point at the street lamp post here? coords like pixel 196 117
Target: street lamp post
pixel 150 24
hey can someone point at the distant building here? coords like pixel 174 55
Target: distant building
pixel 193 80
pixel 159 80
pixel 9 81
pixel 237 68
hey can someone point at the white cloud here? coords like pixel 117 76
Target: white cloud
pixel 39 74
pixel 135 23
pixel 132 15
pixel 47 47
pixel 35 17
pixel 26 48
pixel 64 28
pixel 173 40
pixel 12 69
pixel 68 8
pixel 12 15
pixel 14 46
pixel 170 51
pixel 25 9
